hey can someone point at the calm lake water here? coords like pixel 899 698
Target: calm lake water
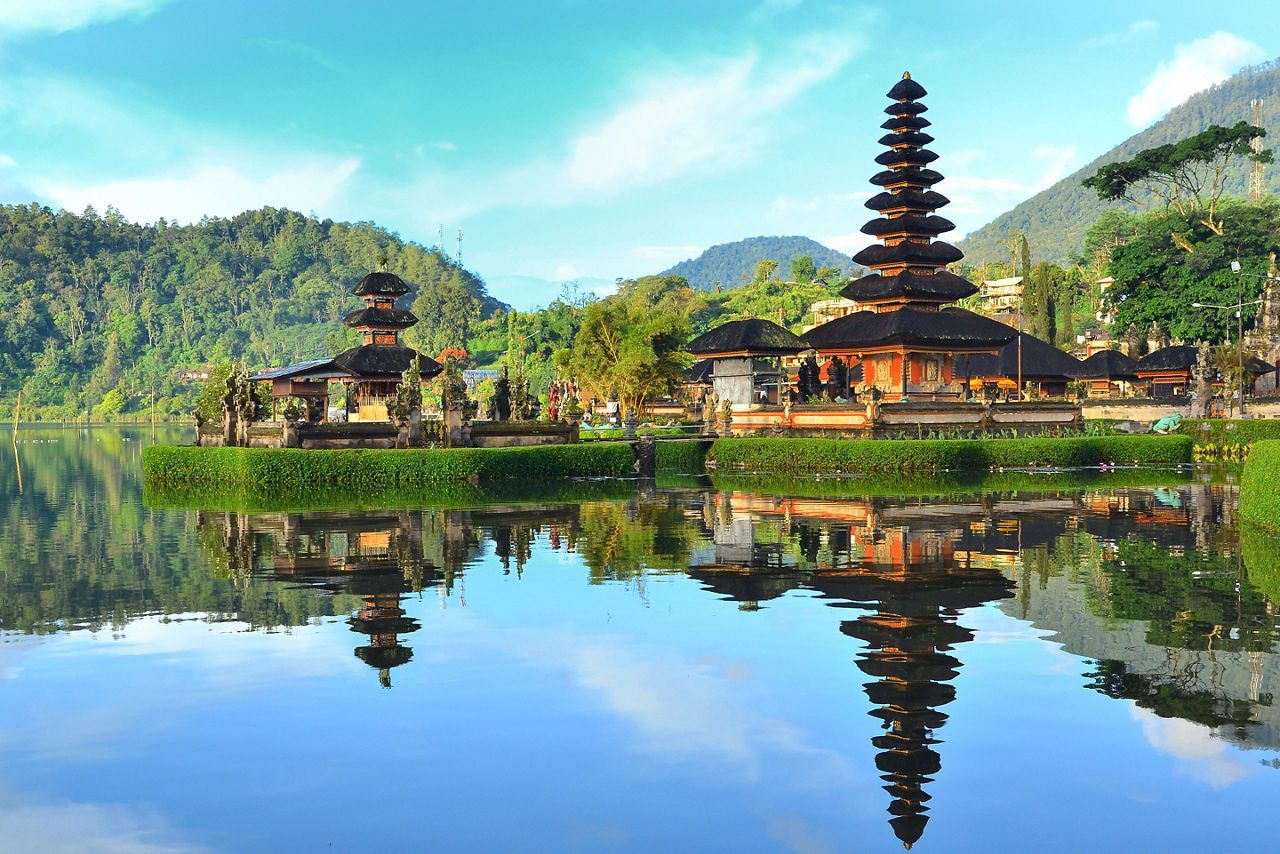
pixel 606 667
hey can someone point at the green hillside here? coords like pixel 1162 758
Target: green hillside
pixel 98 313
pixel 731 264
pixel 1055 219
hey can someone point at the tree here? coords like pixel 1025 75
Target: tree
pixel 803 269
pixel 631 344
pixel 1186 175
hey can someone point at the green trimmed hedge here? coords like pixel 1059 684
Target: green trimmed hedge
pixel 1260 486
pixel 800 456
pixel 1222 431
pixel 688 457
pixel 365 468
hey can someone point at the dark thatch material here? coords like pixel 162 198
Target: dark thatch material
pixel 747 336
pixel 907 89
pixel 938 287
pixel 1107 365
pixel 930 225
pixel 936 254
pixel 381 318
pixel 905 108
pixel 906 123
pixel 381 284
pixel 906 156
pixel 909 138
pixel 1040 361
pixel 915 199
pixel 699 374
pixel 385 361
pixel 384 657
pixel 1257 367
pixel 1180 357
pixel 950 328
pixel 910 175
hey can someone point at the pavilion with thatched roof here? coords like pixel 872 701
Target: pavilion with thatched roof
pixel 1167 371
pixel 744 355
pixel 907 336
pixel 1026 359
pixel 1105 372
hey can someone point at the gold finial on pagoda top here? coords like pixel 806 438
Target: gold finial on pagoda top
pixel 906 75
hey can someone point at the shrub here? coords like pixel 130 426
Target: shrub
pixel 1260 486
pixel 797 456
pixel 366 468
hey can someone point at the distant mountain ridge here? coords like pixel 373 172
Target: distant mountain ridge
pixel 726 264
pixel 1055 219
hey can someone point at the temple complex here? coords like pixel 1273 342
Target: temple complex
pixel 907 336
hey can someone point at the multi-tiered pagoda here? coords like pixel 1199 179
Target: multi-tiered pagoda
pixel 903 334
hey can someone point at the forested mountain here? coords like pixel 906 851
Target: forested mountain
pixel 98 312
pixel 731 264
pixel 1055 220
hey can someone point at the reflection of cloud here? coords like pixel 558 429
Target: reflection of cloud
pixel 62 16
pixel 794 834
pixel 1204 757
pixel 226 666
pixel 79 828
pixel 1195 67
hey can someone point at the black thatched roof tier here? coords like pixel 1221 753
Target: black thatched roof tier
pixel 381 318
pixel 938 287
pixel 926 200
pixel 951 328
pixel 906 123
pixel 1257 367
pixel 1040 361
pixel 385 360
pixel 936 254
pixel 906 157
pixel 699 374
pixel 905 108
pixel 909 138
pixel 1180 357
pixel 1107 365
pixel 907 89
pixel 747 336
pixel 381 284
pixel 910 175
pixel 904 225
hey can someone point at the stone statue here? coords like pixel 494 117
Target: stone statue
pixel 502 396
pixel 1202 375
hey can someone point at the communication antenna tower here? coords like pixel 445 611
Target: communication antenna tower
pixel 459 247
pixel 1255 177
pixel 440 239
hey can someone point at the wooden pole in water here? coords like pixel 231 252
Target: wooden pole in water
pixel 17 412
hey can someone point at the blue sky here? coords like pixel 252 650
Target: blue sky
pixel 579 139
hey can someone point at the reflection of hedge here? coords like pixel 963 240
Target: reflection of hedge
pixel 1262 560
pixel 790 456
pixel 912 485
pixel 365 468
pixel 1260 486
pixel 258 498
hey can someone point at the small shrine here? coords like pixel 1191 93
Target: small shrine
pixel 746 359
pixel 907 336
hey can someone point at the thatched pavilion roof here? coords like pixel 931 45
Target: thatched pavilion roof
pixel 747 337
pixel 951 328
pixel 1108 365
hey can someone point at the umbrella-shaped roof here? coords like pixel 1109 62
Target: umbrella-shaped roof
pixel 1179 357
pixel 747 337
pixel 951 328
pixel 385 360
pixel 1107 365
pixel 1040 361
pixel 1257 367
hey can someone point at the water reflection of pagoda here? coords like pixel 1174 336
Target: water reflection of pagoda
pixel 378 557
pixel 913 579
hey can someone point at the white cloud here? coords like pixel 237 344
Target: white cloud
pixel 1058 164
pixel 7 162
pixel 62 16
pixel 85 828
pixel 671 254
pixel 1195 66
pixel 849 244
pixel 1136 30
pixel 212 188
